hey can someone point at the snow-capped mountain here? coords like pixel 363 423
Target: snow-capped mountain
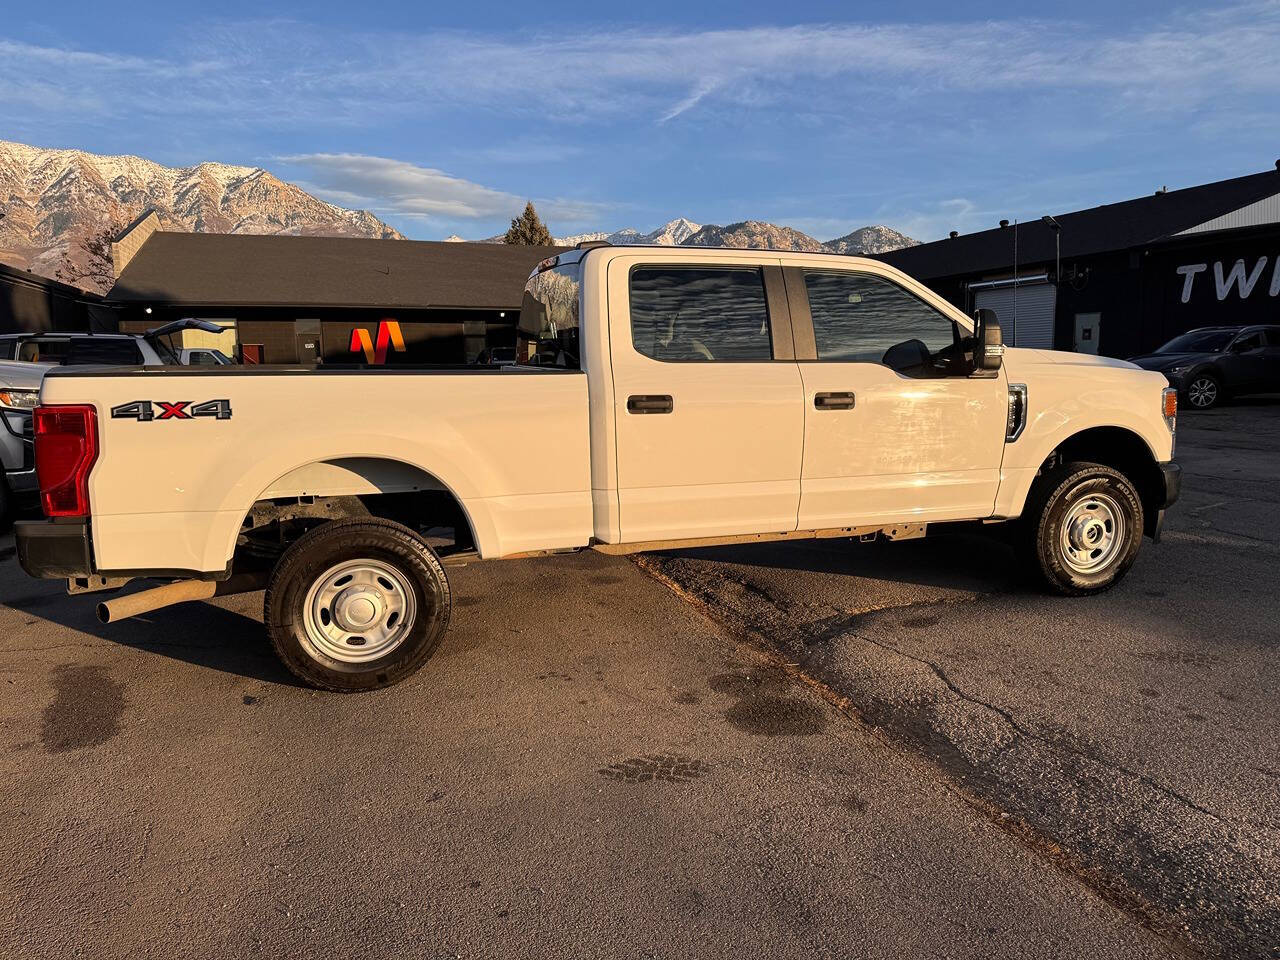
pixel 751 234
pixel 54 198
pixel 670 234
pixel 754 235
pixel 870 240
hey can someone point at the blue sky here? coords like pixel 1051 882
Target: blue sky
pixel 825 116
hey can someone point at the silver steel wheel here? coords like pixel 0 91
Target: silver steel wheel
pixel 1093 533
pixel 359 610
pixel 1203 392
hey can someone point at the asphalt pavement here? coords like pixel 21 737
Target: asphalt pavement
pixel 834 749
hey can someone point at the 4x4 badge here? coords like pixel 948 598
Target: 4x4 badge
pixel 145 410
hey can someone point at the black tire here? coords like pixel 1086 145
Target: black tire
pixel 1103 519
pixel 1204 391
pixel 397 565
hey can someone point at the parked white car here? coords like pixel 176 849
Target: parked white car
pixel 203 357
pixel 663 397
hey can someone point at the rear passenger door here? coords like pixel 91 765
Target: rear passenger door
pixel 1272 335
pixel 708 420
pixel 1246 362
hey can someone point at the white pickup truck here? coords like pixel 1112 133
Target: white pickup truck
pixel 662 398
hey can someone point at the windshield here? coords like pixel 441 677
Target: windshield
pixel 1199 341
pixel 547 333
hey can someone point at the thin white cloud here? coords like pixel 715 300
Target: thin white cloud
pixel 278 71
pixel 396 188
pixel 399 188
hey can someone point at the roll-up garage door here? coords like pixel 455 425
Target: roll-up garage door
pixel 1025 313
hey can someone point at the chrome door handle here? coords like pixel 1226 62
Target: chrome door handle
pixel 833 400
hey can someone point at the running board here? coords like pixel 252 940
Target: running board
pixel 896 531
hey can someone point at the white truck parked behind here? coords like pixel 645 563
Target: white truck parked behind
pixel 662 398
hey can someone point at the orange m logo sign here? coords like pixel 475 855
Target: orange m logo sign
pixel 389 335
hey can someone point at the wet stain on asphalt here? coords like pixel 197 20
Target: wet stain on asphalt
pixel 763 707
pixel 920 622
pixel 668 767
pixel 854 804
pixel 85 712
pixel 1148 692
pixel 687 697
pixel 605 580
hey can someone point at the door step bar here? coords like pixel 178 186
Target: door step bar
pixel 896 531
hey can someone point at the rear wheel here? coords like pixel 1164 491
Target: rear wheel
pixel 1084 528
pixel 357 604
pixel 1204 391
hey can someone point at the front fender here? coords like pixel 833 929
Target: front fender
pixel 1063 401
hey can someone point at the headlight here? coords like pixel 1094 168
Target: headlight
pixel 22 399
pixel 1177 370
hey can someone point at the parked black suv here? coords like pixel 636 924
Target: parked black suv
pixel 1210 363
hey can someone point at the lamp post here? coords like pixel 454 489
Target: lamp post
pixel 1056 227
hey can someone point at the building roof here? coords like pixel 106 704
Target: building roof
pixel 1114 226
pixel 241 270
pixel 56 287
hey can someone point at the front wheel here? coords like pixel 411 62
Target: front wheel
pixel 1084 528
pixel 1204 391
pixel 357 604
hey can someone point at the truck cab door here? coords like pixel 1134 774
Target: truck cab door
pixel 707 398
pixel 896 428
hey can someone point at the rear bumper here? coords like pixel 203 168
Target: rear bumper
pixel 1172 483
pixel 53 551
pixel 22 481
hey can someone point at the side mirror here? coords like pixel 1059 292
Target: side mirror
pixel 988 346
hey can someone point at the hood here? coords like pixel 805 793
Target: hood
pixel 21 375
pixel 1167 361
pixel 1065 357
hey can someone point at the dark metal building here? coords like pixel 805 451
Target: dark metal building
pixel 1123 278
pixel 30 303
pixel 286 299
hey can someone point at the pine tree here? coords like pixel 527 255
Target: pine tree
pixel 528 229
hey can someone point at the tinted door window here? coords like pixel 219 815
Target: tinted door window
pixel 680 314
pixel 867 319
pixel 1250 341
pixel 105 351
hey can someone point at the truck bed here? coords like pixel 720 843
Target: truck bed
pixel 183 454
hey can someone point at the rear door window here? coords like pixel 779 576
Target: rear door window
pixel 104 351
pixel 700 314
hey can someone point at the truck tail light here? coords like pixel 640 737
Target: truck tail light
pixel 66 440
